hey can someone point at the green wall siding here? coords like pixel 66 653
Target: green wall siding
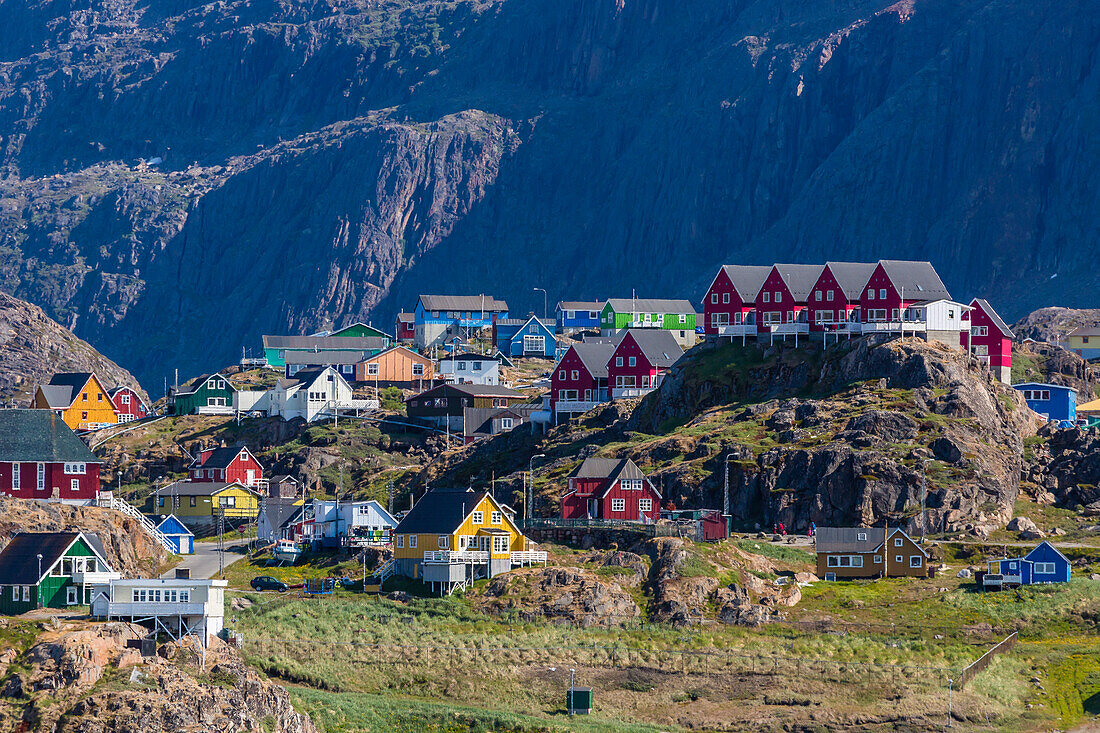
pixel 360 331
pixel 188 403
pixel 669 321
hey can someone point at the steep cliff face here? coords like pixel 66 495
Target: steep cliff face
pixel 330 159
pixel 33 347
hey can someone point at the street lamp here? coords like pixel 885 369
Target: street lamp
pixel 39 594
pixel 572 673
pixel 726 489
pixel 543 302
pixel 923 494
pixel 531 484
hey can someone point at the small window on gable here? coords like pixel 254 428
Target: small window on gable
pixel 897 542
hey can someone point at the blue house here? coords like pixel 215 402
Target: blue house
pixel 1044 564
pixel 531 337
pixel 438 319
pixel 177 534
pixel 1053 401
pixel 578 315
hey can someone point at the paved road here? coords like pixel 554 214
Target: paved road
pixel 204 563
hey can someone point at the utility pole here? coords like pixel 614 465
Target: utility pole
pixel 923 494
pixel 531 481
pixel 221 542
pixel 543 301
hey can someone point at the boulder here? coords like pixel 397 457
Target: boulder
pixel 946 450
pixel 805 578
pixel 1022 524
pixel 964 573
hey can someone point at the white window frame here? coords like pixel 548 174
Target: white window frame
pixel 632 361
pixel 75 468
pixel 418 370
pixel 878 559
pixel 767 297
pixel 898 542
pixel 829 295
pixel 401 541
pixel 443 541
pixel 372 369
pixel 618 361
pixel 618 505
pixel 41 483
pixel 714 298
pixel 15 470
pixel 506 423
pixel 899 559
pixel 70 595
pixel 882 293
pixel 412 542
pixel 916 561
pixel 725 299
pixel 861 536
pixel 477 518
pixel 1044 568
pixel 74 484
pixel 645 505
pixel 575 374
pixel 495 518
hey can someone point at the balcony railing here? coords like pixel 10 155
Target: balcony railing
pixel 737 329
pixel 528 557
pixel 92 577
pixel 893 326
pixel 620 393
pixel 789 329
pixel 575 405
pixel 448 557
pixel 119 608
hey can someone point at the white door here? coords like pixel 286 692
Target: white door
pixel 251 477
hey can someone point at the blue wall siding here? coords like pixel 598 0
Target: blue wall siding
pixel 1062 405
pixel 1045 553
pixel 580 319
pixel 466 319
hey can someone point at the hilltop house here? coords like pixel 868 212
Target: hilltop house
pixel 452 537
pixel 396 366
pixel 361 330
pixel 342 523
pixel 845 553
pixel 283 486
pixel 51 570
pixel 578 315
pixel 128 404
pixel 525 337
pixel 177 606
pixel 675 316
pixel 610 488
pixel 405 331
pixel 781 303
pixel 1044 564
pixel 79 398
pixel 579 381
pixel 314 393
pixel 989 339
pixel 41 458
pixel 470 369
pixel 206 394
pixel 1085 342
pixel 293 353
pixel 729 303
pixel 228 465
pixel 444 406
pixel 641 358
pixel 441 318
pixel 833 301
pixel 1052 401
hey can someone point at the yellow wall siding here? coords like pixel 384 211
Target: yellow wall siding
pixel 97 408
pixel 430 542
pixel 247 504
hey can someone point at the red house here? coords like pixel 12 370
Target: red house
pixel 895 285
pixel 731 296
pixel 639 361
pixel 406 333
pixel 989 338
pixel 834 298
pixel 610 488
pixel 128 404
pixel 579 381
pixel 782 298
pixel 227 465
pixel 41 458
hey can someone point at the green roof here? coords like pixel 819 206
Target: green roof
pixel 40 436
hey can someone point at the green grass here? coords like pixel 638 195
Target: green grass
pixel 782 553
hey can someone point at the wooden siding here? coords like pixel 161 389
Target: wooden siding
pixel 395 367
pixel 430 542
pixel 246 504
pixel 91 406
pixel 57 484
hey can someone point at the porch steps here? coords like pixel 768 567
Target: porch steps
pixel 129 510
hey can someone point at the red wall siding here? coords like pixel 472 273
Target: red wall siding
pixel 839 305
pixel 238 469
pixel 584 380
pixel 786 305
pixel 998 345
pixel 628 348
pixel 630 500
pixel 134 408
pixel 87 483
pixel 722 288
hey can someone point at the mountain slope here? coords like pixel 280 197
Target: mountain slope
pixel 330 159
pixel 33 348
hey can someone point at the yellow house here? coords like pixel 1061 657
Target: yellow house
pixel 452 537
pixel 200 502
pixel 79 398
pixel 1085 342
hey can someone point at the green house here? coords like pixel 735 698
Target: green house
pixel 677 316
pixel 51 569
pixel 361 330
pixel 209 393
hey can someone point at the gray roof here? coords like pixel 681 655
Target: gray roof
pixel 469 356
pixel 439 511
pixel 918 279
pixel 463 303
pixel 279 511
pixel 747 279
pixel 846 539
pixel 473 390
pixel 581 305
pixel 475 420
pixel 650 305
pixel 406 317
pixel 19 559
pixel 184 487
pixel 800 279
pixel 603 468
pixel 852 277
pixel 56 395
pixel 328 357
pixel 548 322
pixel 326 343
pixel 305 377
pixel 658 345
pixel 193 385
pixel 1090 331
pixel 595 355
pixel 40 436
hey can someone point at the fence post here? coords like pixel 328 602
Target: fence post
pixel 949 682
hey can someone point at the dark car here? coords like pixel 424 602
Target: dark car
pixel 266 582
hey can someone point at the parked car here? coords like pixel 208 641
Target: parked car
pixel 266 582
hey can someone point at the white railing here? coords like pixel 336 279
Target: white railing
pixel 528 557
pixel 627 392
pixel 260 483
pixel 122 609
pixel 150 529
pixel 358 405
pixel 737 329
pixel 94 577
pixel 575 405
pixel 214 410
pixel 456 556
pixel 893 326
pixel 787 329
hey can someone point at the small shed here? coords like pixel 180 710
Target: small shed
pixel 178 535
pixel 712 527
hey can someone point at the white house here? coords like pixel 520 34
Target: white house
pixel 277 518
pixel 470 369
pixel 176 606
pixel 314 393
pixel 941 320
pixel 362 522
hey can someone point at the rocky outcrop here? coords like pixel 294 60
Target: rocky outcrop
pixel 1038 362
pixel 129 549
pixel 351 155
pixel 569 594
pixel 1066 465
pixel 33 348
pixel 1054 323
pixel 83 678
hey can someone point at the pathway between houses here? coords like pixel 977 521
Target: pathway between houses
pixel 204 563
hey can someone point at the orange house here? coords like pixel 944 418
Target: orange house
pixel 397 366
pixel 79 398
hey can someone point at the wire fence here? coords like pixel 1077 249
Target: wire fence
pixel 979 664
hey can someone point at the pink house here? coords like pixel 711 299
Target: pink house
pixel 895 285
pixel 579 381
pixel 782 297
pixel 989 339
pixel 834 298
pixel 640 359
pixel 610 488
pixel 731 296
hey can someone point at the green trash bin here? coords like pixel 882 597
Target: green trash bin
pixel 578 700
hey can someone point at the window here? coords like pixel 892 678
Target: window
pixel 227 501
pixel 1044 568
pixel 372 370
pixel 561 374
pixel 897 542
pixel 862 536
pixel 70 595
pixel 185 595
pixel 778 296
pixel 876 314
pixel 878 559
pixel 684 318
pixel 725 299
pixel 575 374
pixel 99 397
pixel 980 330
pixel 632 361
pixel 845 561
pixel 645 505
pixel 618 505
pixel 817 295
pixel 882 294
pixel 75 468
pixel 401 541
pixel 915 561
pixel 500 544
pixel 83 396
pixel 412 542
pixel 477 366
pixel 477 518
pixel 461 366
pixel 899 559
pixel 192 502
pixel 125 399
pixel 26 593
pixel 767 297
pixel 495 518
pixel 772 317
pixel 870 293
pixel 618 361
pixel 534 343
pixel 15 592
pixel 74 484
pixel 506 423
pixel 981 350
pixel 418 370
pixel 442 542
pixel 829 295
pixel 41 476
pixel 15 475
pixel 714 298
pixel 83 416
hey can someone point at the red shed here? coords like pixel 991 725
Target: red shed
pixel 711 527
pixel 227 465
pixel 610 488
pixel 128 404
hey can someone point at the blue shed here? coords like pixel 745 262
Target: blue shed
pixel 178 534
pixel 1044 564
pixel 578 315
pixel 532 337
pixel 1053 401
